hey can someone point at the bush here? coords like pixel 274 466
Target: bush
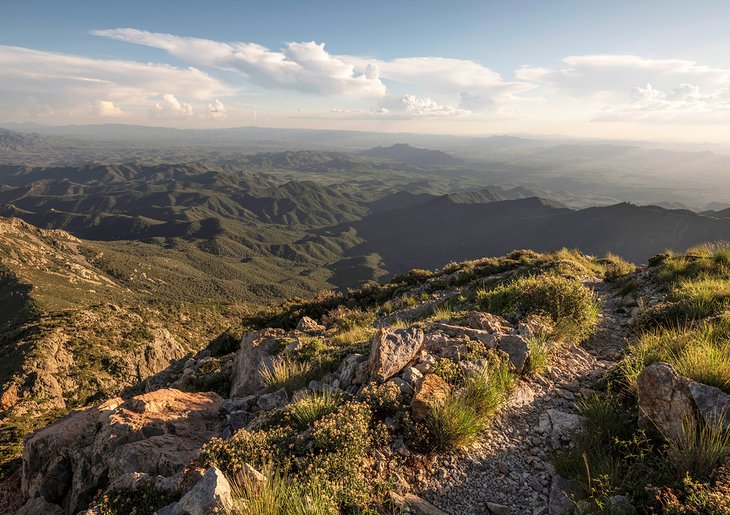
pixel 143 500
pixel 459 419
pixel 701 353
pixel 286 372
pixel 304 412
pixel 572 307
pixel 612 456
pixel 331 453
pixel 697 498
pixel 699 450
pixel 282 495
pixel 615 267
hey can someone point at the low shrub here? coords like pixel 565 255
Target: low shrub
pixel 286 372
pixel 697 497
pixel 572 307
pixel 699 450
pixel 459 419
pixel 701 353
pixel 282 495
pixel 615 267
pixel 143 500
pixel 304 412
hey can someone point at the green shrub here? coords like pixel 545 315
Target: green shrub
pixel 540 350
pixel 697 497
pixel 282 495
pixel 701 353
pixel 143 500
pixel 699 450
pixel 286 372
pixel 459 419
pixel 331 453
pixel 384 399
pixel 615 267
pixel 304 412
pixel 572 307
pixel 612 456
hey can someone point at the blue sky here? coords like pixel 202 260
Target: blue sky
pixel 644 69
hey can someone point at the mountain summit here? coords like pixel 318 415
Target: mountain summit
pixel 412 155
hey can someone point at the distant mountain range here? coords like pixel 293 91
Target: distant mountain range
pixel 412 155
pixel 256 227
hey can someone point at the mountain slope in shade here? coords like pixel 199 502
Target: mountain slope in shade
pixel 412 155
pixel 427 234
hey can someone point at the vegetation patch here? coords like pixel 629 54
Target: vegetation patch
pixel 572 307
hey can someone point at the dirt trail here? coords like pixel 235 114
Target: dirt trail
pixel 511 466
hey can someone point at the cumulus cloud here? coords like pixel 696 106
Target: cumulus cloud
pixel 305 66
pixel 170 107
pixel 216 110
pixel 66 84
pixel 106 108
pixel 634 88
pixel 413 106
pixel 309 67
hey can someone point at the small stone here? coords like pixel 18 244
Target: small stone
pixel 270 401
pixel 211 493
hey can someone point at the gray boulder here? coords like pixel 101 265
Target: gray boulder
pixel 254 355
pixel 391 351
pixel 270 401
pixel 212 494
pixel 664 399
pixel 517 349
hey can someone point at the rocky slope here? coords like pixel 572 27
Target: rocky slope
pixel 465 390
pixel 72 334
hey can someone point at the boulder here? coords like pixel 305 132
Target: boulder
pixel 430 391
pixel 517 349
pixel 391 350
pixel 489 339
pixel 308 325
pixel 712 404
pixel 487 322
pixel 564 425
pixel 212 494
pixel 277 399
pixel 254 356
pixel 562 494
pixel 412 375
pixel 158 433
pixel 664 400
pixel 348 369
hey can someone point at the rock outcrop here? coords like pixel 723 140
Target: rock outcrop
pixel 159 433
pixel 253 356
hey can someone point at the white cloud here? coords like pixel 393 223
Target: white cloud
pixel 305 66
pixel 66 84
pixel 106 108
pixel 170 107
pixel 633 88
pixel 413 106
pixel 216 110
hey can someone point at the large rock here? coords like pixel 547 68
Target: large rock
pixel 254 355
pixel 38 506
pixel 487 322
pixel 517 349
pixel 158 433
pixel 563 493
pixel 489 339
pixel 712 404
pixel 664 400
pixel 270 401
pixel 430 391
pixel 212 494
pixel 392 350
pixel 308 325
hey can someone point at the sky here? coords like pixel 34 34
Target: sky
pixel 620 69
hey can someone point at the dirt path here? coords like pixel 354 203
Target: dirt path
pixel 511 467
